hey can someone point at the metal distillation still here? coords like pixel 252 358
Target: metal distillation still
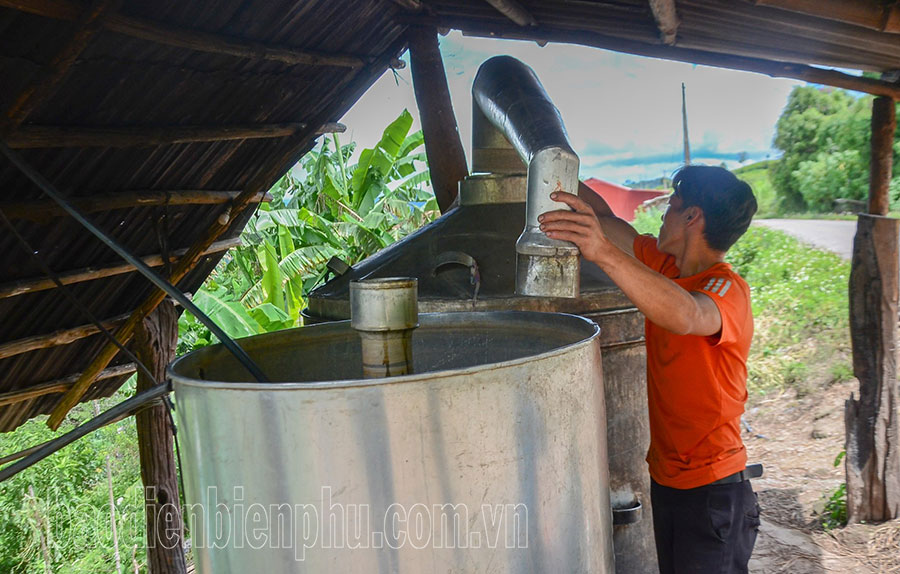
pixel 467 261
pixel 489 457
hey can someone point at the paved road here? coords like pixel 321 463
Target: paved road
pixel 836 236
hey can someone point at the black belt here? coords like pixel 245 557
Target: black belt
pixel 752 471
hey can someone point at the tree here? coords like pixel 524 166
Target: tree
pixel 824 134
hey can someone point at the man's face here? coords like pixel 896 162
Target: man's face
pixel 671 234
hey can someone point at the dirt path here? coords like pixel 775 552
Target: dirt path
pixel 797 439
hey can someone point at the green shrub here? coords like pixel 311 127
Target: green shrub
pixel 835 512
pixel 758 176
pixel 648 221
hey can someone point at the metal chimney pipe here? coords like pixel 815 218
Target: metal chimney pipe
pixel 384 312
pixel 509 96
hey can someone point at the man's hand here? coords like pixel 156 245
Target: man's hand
pixel 581 227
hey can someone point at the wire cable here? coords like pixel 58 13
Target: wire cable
pixel 126 407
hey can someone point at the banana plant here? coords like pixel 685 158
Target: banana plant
pixel 323 207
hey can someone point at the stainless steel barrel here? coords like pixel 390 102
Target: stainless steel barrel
pixel 490 457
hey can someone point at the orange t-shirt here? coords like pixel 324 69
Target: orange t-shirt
pixel 697 386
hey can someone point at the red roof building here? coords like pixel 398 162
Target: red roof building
pixel 624 201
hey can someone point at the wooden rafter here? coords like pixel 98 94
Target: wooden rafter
pixel 275 166
pixel 14 288
pixel 186 38
pixel 44 209
pixel 410 5
pixel 759 65
pixel 872 14
pixel 666 20
pixel 57 338
pixel 59 385
pixel 514 11
pixel 89 23
pixel 31 136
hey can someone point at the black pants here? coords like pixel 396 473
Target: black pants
pixel 706 530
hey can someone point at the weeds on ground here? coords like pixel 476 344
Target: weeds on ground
pixel 799 298
pixel 835 513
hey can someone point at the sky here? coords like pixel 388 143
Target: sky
pixel 622 112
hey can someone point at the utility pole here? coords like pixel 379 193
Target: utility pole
pixel 684 127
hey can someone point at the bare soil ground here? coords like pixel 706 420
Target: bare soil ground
pixel 797 439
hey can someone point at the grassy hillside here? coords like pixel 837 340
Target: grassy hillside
pixel 757 175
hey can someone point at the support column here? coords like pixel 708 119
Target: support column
pixel 446 157
pixel 155 341
pixel 872 426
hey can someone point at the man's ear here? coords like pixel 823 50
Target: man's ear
pixel 693 215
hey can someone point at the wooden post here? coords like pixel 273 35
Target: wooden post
pixel 155 340
pixel 446 157
pixel 872 426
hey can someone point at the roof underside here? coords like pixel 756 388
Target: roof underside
pixel 138 86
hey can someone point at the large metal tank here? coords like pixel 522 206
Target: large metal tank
pixel 491 457
pixel 466 261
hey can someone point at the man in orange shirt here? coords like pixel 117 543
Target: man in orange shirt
pixel 698 330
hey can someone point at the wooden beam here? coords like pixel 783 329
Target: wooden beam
pixel 23 286
pixel 271 170
pixel 31 136
pixel 154 345
pixel 60 385
pixel 57 338
pixel 187 38
pixel 872 423
pixel 89 20
pixel 443 147
pixel 884 122
pixel 514 11
pixel 42 210
pixel 872 14
pixel 872 464
pixel 666 20
pixel 410 5
pixel 758 65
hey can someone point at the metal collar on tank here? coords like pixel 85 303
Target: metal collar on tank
pixel 384 312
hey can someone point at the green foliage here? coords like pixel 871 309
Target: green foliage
pixel 835 515
pixel 824 135
pixel 829 176
pixel 321 209
pixel 648 221
pixel 71 499
pixel 835 512
pixel 799 298
pixel 758 176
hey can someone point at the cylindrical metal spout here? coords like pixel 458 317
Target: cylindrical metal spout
pixel 385 312
pixel 512 99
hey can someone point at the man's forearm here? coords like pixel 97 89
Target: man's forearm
pixel 660 299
